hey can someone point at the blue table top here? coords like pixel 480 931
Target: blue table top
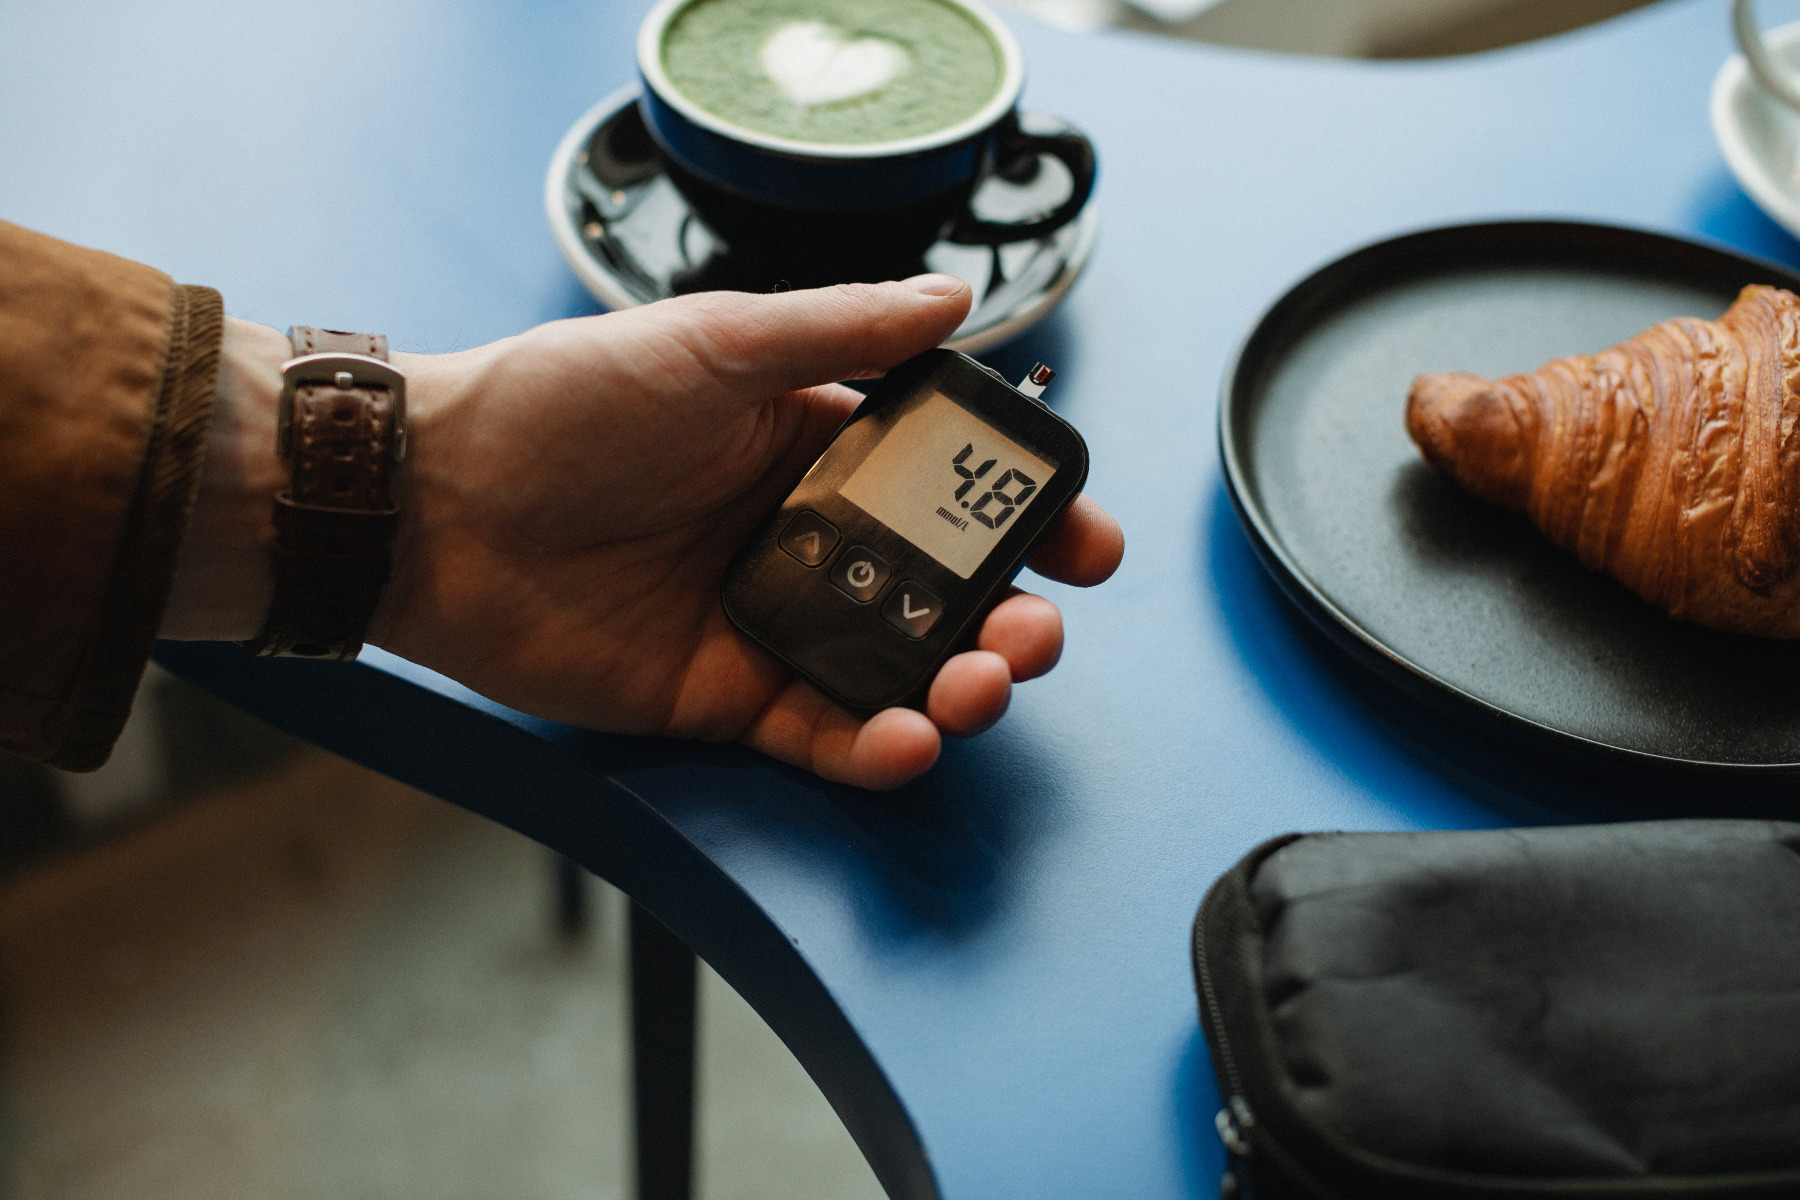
pixel 987 972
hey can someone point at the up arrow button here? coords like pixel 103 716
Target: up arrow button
pixel 809 538
pixel 912 610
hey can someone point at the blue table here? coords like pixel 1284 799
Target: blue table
pixel 987 972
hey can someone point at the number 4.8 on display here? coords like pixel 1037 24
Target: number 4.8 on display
pixel 997 493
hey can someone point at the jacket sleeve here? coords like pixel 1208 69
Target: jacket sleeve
pixel 107 370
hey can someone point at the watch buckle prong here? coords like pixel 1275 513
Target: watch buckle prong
pixel 342 371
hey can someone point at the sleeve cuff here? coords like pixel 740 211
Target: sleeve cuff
pixel 132 606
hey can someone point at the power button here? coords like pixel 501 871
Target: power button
pixel 859 573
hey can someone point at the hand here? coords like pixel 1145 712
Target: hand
pixel 575 493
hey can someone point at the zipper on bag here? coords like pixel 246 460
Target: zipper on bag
pixel 1235 1121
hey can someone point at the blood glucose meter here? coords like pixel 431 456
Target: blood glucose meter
pixel 907 530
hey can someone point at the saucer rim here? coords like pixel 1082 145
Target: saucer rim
pixel 1752 172
pixel 601 284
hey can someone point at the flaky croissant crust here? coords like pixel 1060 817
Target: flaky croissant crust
pixel 1668 461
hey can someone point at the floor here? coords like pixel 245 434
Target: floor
pixel 318 983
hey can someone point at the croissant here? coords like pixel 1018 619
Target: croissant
pixel 1667 461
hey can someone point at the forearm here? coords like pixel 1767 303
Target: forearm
pixel 107 370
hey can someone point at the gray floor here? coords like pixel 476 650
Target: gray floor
pixel 321 984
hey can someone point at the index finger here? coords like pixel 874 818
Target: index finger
pixel 1083 548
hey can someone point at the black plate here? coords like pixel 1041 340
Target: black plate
pixel 1458 602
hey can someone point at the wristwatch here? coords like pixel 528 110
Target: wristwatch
pixel 341 422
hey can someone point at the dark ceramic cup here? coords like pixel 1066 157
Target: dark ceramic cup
pixel 802 214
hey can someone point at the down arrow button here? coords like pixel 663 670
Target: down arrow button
pixel 912 610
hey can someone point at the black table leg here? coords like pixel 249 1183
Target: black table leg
pixel 662 1058
pixel 571 896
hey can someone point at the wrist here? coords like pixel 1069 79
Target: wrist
pixel 222 581
pixel 431 390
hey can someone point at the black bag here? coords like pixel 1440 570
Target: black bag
pixel 1609 1010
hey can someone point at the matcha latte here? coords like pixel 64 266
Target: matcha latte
pixel 836 72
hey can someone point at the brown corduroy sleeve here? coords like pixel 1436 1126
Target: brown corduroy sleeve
pixel 107 371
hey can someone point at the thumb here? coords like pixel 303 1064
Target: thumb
pixel 762 345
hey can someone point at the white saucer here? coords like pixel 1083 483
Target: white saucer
pixel 628 240
pixel 1760 136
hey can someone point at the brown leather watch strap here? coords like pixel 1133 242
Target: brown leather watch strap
pixel 342 426
pixel 307 340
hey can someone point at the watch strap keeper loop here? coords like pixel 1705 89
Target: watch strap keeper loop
pixel 332 545
pixel 352 528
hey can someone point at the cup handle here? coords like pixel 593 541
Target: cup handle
pixel 1756 53
pixel 1012 146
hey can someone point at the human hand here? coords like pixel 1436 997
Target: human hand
pixel 574 495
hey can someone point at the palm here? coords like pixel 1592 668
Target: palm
pixel 622 633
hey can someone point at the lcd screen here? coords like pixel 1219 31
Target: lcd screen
pixel 947 481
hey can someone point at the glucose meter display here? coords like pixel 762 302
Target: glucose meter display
pixel 947 481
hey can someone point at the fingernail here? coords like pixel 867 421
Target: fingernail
pixel 936 285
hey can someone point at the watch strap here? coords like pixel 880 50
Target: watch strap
pixel 305 340
pixel 334 527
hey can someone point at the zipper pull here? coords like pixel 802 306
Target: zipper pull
pixel 1235 1122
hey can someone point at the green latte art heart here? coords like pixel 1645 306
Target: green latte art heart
pixel 839 72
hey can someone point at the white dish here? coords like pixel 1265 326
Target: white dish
pixel 630 244
pixel 1758 135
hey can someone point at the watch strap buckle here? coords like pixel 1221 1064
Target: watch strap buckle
pixel 344 371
